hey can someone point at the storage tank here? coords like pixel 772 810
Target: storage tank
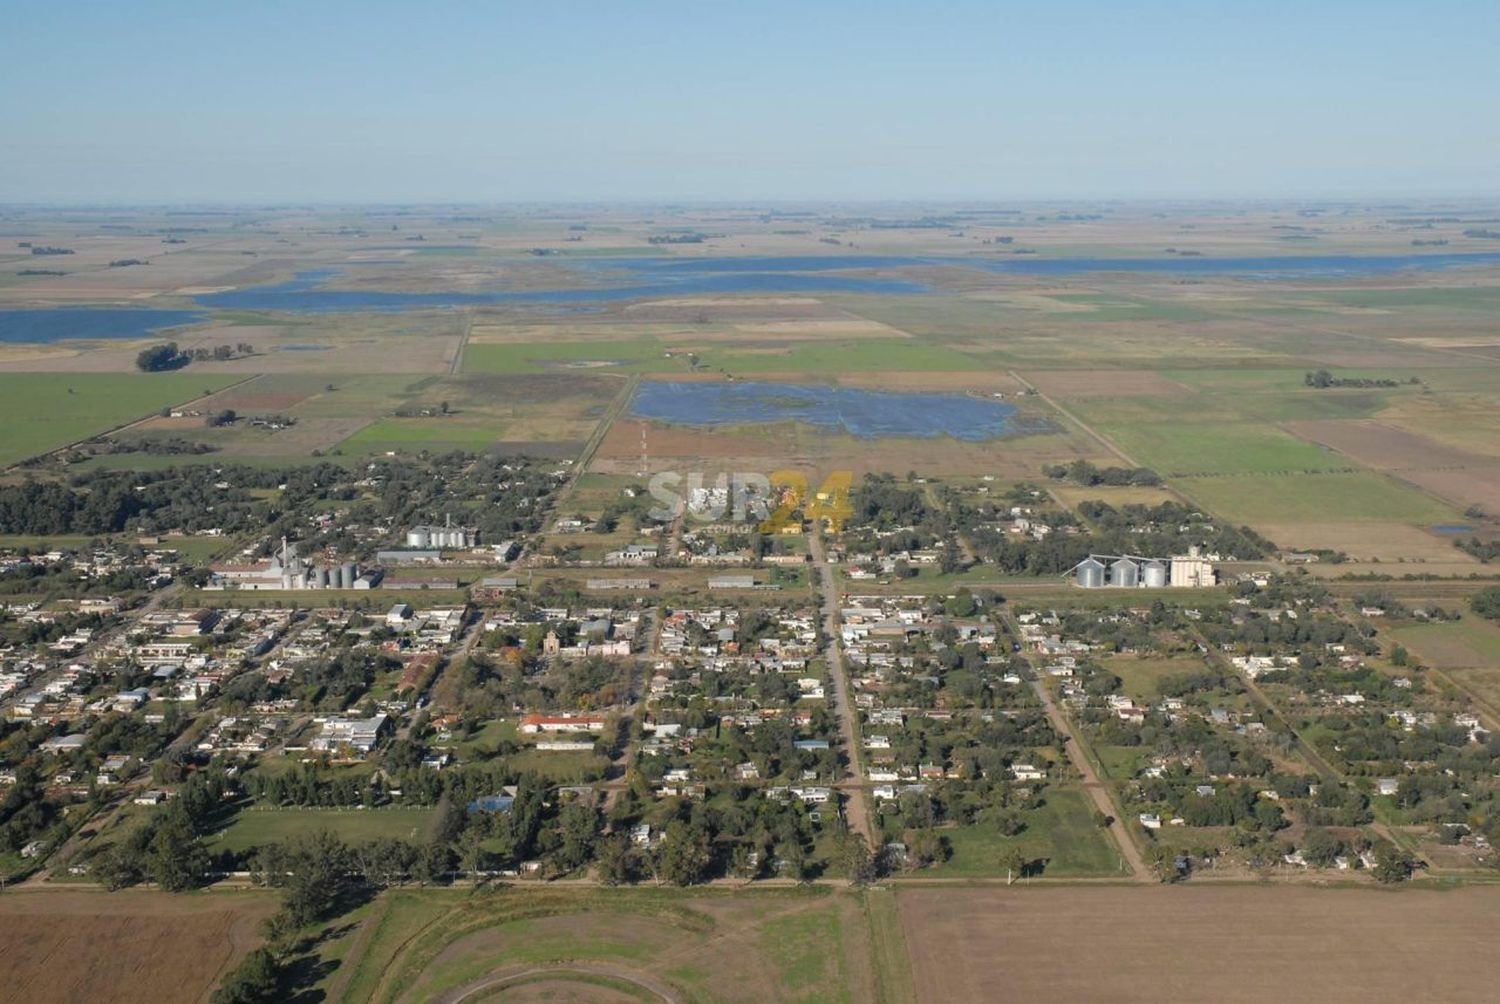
pixel 1125 574
pixel 1154 575
pixel 1090 574
pixel 350 573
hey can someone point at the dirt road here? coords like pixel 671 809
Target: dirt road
pixel 857 808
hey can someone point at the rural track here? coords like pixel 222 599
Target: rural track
pixel 463 343
pixel 858 808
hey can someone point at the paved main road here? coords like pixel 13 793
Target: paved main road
pixel 857 809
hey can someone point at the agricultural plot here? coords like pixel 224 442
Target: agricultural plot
pixel 1178 448
pixel 44 411
pixel 1304 943
pixel 132 947
pixel 1359 497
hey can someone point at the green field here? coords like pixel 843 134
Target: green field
pixel 789 944
pixel 412 434
pixel 1062 833
pixel 1219 448
pixel 44 411
pixel 252 828
pixel 1313 498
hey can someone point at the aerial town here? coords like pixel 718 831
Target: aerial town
pixel 677 502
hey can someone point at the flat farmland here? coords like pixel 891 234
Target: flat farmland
pixel 1184 447
pixel 44 411
pixel 1462 476
pixel 1359 497
pixel 1229 943
pixel 1371 542
pixel 1454 644
pixel 1105 383
pixel 134 947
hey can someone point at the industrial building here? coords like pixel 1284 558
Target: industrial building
pixel 1130 571
pixel 447 535
pixel 287 570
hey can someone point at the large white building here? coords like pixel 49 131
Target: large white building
pixel 447 535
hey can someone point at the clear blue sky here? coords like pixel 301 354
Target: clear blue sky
pixel 425 100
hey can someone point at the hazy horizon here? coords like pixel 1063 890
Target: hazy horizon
pixel 167 103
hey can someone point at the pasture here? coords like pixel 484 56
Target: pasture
pixel 41 412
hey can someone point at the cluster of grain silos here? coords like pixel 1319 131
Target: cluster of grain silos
pixel 1099 571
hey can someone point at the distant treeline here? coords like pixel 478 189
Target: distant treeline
pixel 1323 378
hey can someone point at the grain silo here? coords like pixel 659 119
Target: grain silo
pixel 1090 573
pixel 320 577
pixel 350 573
pixel 1154 575
pixel 1124 574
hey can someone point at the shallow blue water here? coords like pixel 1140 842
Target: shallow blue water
pixel 868 414
pixel 304 295
pixel 58 323
pixel 645 277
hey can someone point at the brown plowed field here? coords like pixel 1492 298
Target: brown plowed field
pixel 124 947
pixel 1461 476
pixel 1239 943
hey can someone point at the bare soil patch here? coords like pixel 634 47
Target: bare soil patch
pixel 147 947
pixel 1184 943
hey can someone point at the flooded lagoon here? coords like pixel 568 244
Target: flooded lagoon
pixel 866 414
pixel 59 323
pixel 635 278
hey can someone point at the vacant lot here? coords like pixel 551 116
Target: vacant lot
pixel 1219 944
pixel 147 947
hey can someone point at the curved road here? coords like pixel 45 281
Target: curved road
pixel 501 977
